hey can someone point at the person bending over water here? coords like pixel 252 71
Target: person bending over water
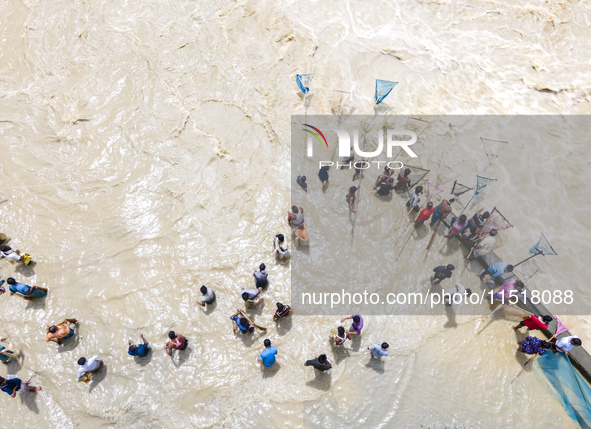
pixel 295 217
pixel 341 336
pixel 442 273
pixel 208 296
pixel 176 341
pixel 321 363
pixel 242 323
pixel 21 288
pixel 12 384
pixel 283 310
pixel 61 331
pixel 261 276
pixel 141 350
pixel 379 350
pixel 280 246
pixel 91 366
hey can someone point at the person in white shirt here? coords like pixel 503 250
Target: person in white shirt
pixel 566 344
pixel 280 246
pixel 91 365
pixel 208 296
pixel 379 350
pixel 415 199
pixel 8 253
pixel 485 245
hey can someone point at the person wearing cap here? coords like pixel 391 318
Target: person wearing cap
pixel 242 322
pixel 61 331
pixel 302 182
pixel 267 357
pixel 566 344
pixel 261 276
pixel 140 350
pixel 534 322
pixel 497 269
pixel 484 246
pixel 415 199
pixel 379 350
pixel 350 197
pixel 441 211
pixel 208 296
pixel 91 365
pixel 403 180
pixel 385 188
pixel 458 226
pixel 321 363
pixel 442 273
pixel 176 341
pixel 283 310
pixel 280 246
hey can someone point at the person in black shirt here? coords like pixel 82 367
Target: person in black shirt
pixel 442 273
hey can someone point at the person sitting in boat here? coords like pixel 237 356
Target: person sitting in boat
pixel 61 331
pixel 21 288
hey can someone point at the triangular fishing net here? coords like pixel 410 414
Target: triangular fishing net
pixel 563 383
pixel 303 81
pixel 496 221
pixel 543 246
pixel 383 88
pixel 416 174
pixel 459 189
pixel 481 182
pixel 432 190
pixel 560 327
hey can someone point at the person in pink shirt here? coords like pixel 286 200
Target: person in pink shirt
pixel 509 289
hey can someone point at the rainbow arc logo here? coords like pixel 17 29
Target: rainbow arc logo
pixel 316 134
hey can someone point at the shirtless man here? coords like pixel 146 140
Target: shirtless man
pixel 61 331
pixel 403 180
pixel 176 341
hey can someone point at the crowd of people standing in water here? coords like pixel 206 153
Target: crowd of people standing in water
pixel 469 228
